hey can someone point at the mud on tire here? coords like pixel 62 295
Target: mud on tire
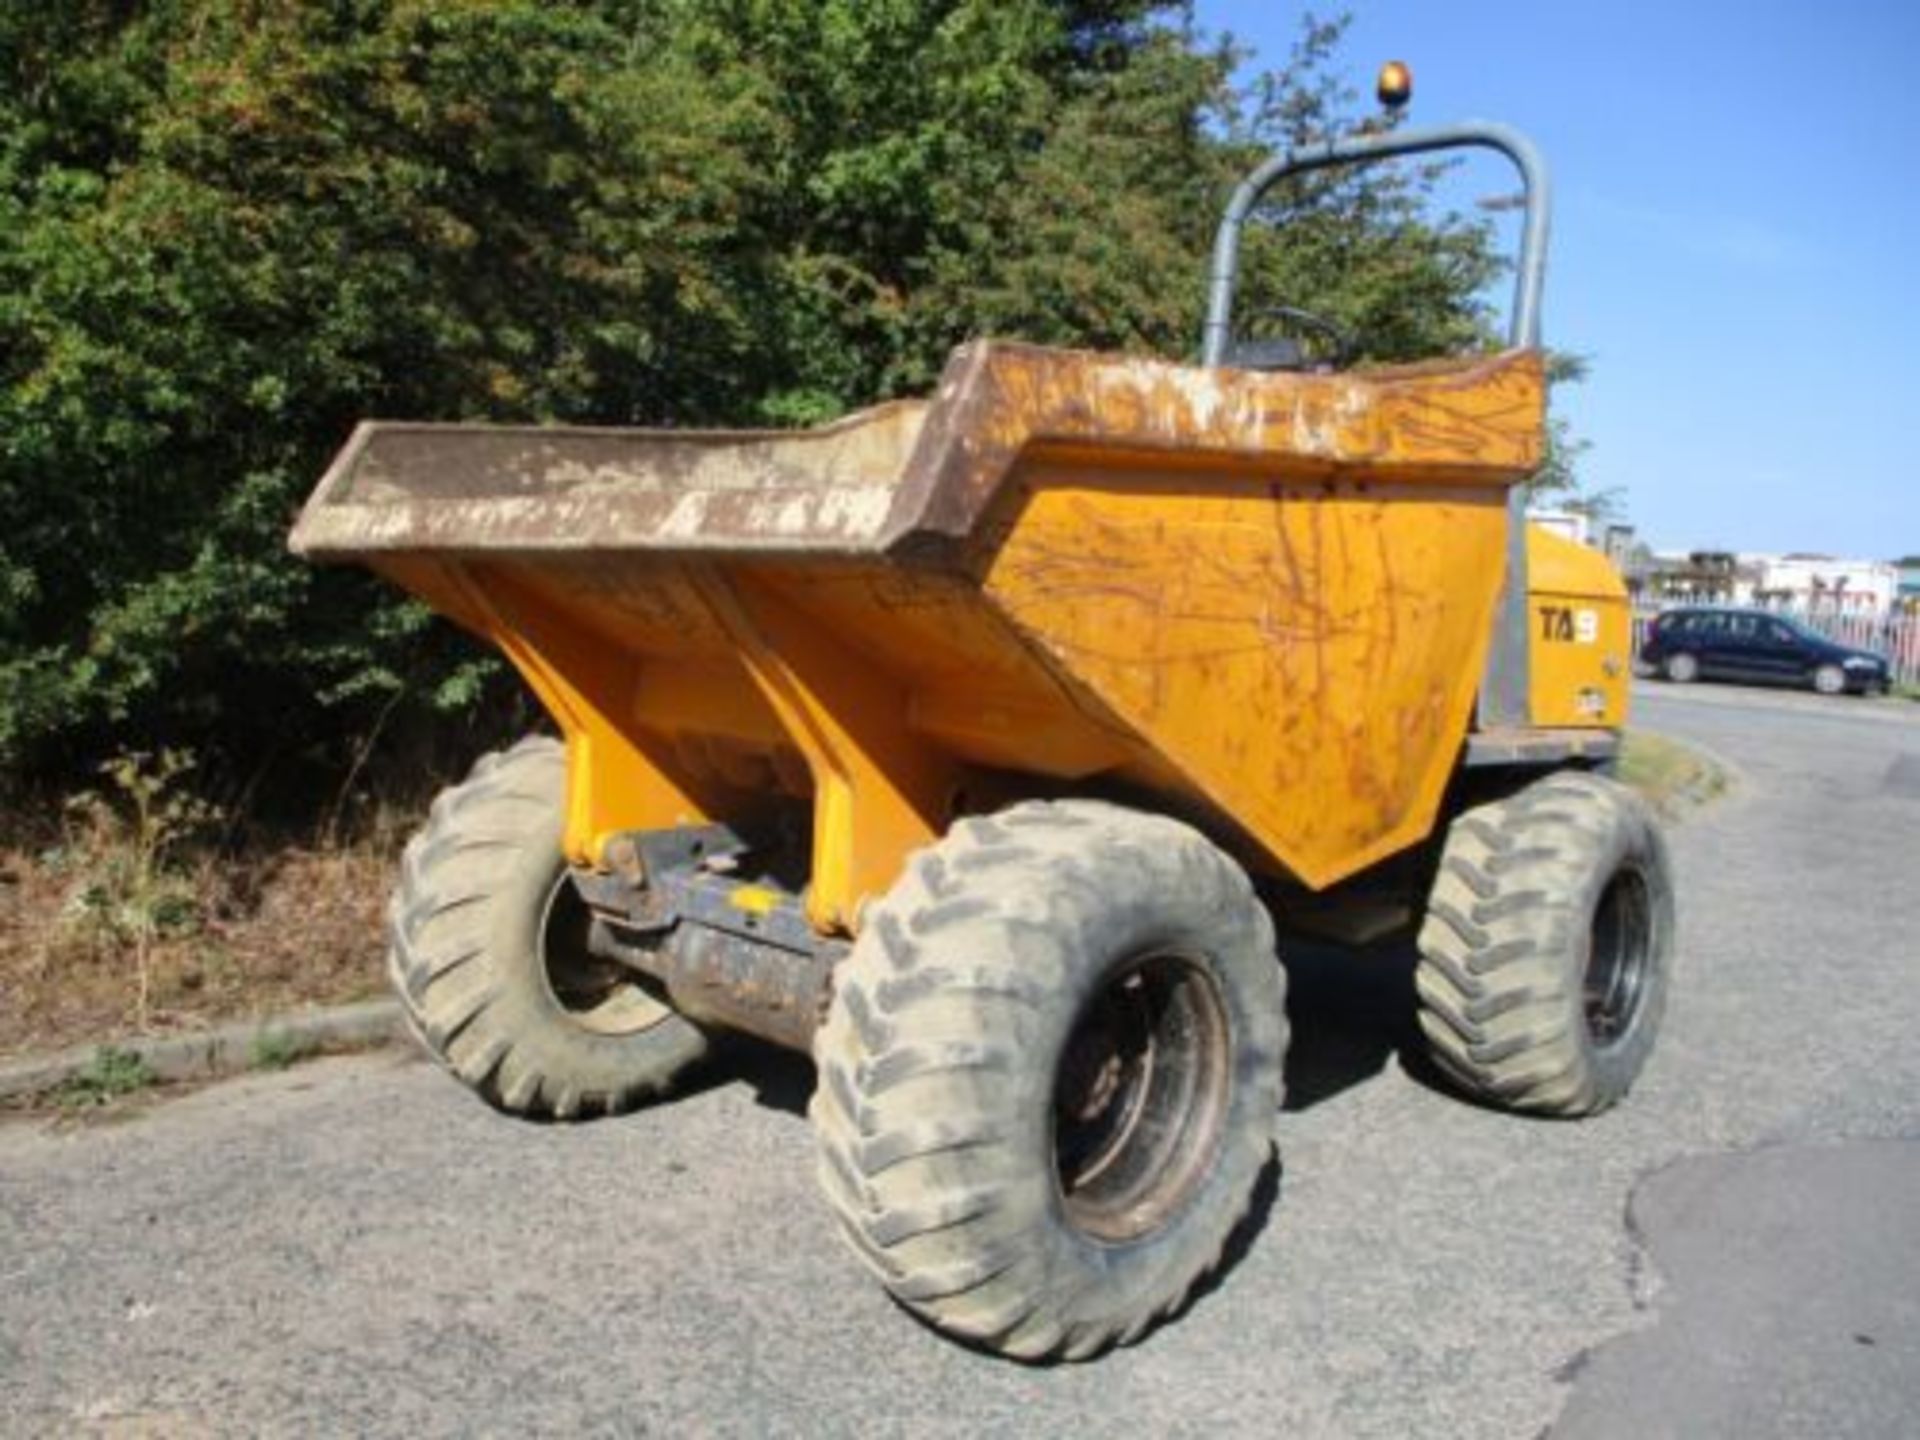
pixel 1547 947
pixel 1048 1081
pixel 486 949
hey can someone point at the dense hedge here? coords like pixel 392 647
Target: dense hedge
pixel 228 228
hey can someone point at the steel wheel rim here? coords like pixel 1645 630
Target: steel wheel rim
pixel 1829 680
pixel 1619 959
pixel 1140 1098
pixel 591 992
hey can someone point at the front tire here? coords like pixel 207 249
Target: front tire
pixel 487 951
pixel 1830 680
pixel 1681 668
pixel 1049 1076
pixel 1548 947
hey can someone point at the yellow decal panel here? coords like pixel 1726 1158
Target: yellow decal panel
pixel 1580 639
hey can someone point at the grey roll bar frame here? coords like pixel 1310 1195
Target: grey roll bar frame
pixel 1523 328
pixel 1505 701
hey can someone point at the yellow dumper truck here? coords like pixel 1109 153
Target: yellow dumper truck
pixel 976 743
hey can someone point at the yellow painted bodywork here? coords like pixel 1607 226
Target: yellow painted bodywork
pixel 1264 600
pixel 1580 635
pixel 1304 656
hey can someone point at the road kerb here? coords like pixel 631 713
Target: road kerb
pixel 224 1050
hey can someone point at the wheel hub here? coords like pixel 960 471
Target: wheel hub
pixel 1619 955
pixel 1140 1098
pixel 596 993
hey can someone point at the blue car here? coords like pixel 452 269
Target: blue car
pixel 1715 643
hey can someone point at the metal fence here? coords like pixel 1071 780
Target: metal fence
pixel 1895 636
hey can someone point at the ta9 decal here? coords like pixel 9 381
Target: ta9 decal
pixel 1562 624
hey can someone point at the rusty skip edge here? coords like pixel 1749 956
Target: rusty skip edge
pixel 907 479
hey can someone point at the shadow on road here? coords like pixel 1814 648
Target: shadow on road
pixel 781 1079
pixel 1352 1010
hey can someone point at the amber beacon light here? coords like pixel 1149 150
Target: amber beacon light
pixel 1395 85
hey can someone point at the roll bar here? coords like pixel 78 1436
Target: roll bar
pixel 1524 323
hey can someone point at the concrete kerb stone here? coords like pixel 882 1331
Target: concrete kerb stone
pixel 208 1054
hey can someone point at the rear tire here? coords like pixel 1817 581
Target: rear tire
pixel 1547 947
pixel 487 951
pixel 1681 669
pixel 1050 1073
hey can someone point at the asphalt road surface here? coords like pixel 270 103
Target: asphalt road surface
pixel 356 1246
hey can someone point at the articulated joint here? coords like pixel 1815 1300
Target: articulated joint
pixel 730 950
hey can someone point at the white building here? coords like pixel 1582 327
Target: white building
pixel 1822 582
pixel 1809 584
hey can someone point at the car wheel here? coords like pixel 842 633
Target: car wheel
pixel 1830 680
pixel 1682 668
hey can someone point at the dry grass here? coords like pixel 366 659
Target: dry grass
pixel 227 936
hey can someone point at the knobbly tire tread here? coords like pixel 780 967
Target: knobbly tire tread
pixel 1503 945
pixel 940 1044
pixel 471 893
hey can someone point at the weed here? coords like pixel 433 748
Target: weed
pixel 110 1074
pixel 133 894
pixel 276 1050
pixel 1673 777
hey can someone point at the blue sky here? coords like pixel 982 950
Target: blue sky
pixel 1736 240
